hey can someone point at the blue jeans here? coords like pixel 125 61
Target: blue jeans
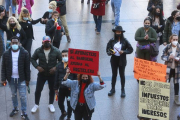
pixel 98 21
pixel 116 4
pixel 15 84
pixel 2 35
pixel 9 3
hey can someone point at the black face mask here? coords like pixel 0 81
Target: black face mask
pixel 118 35
pixel 47 45
pixel 157 14
pixel 12 25
pixel 178 18
pixel 84 81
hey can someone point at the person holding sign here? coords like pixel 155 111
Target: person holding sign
pixel 64 92
pixel 144 37
pixel 171 56
pixel 117 48
pixel 82 94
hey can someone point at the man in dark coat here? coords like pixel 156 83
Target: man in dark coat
pixel 16 70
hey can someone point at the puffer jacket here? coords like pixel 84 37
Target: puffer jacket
pixel 53 61
pixel 23 65
pixel 88 93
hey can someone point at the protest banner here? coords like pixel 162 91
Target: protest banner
pixel 149 70
pixel 154 99
pixel 83 61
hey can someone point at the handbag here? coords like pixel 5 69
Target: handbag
pixel 96 5
pixel 154 50
pixel 14 2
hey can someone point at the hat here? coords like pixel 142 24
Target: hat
pixel 46 38
pixel 118 28
pixel 2 8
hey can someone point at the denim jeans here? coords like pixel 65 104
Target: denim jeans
pixel 15 84
pixel 2 35
pixel 116 4
pixel 9 3
pixel 98 21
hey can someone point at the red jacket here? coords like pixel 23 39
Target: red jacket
pixel 99 11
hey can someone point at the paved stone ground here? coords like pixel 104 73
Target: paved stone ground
pixel 81 27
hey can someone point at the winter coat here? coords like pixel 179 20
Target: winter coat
pixel 165 57
pixel 100 11
pixel 61 6
pixel 125 47
pixel 23 65
pixel 29 4
pixel 155 3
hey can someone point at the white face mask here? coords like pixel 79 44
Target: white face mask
pixel 175 43
pixel 65 59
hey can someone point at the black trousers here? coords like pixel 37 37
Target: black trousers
pixel 114 66
pixel 57 44
pixel 176 85
pixel 28 45
pixel 64 93
pixel 82 112
pixel 39 87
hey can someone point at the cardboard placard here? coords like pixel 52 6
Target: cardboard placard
pixel 83 61
pixel 149 70
pixel 154 99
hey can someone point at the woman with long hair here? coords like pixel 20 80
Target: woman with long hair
pixel 82 94
pixel 27 23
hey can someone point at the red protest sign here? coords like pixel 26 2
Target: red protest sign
pixel 83 61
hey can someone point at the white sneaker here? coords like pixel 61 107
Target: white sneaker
pixel 51 107
pixel 34 109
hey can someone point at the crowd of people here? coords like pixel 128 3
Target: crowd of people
pixel 52 65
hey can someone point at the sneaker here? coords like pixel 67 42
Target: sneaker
pixel 34 109
pixel 63 115
pixel 51 107
pixel 14 111
pixel 68 39
pixel 123 93
pixel 24 116
pixel 111 92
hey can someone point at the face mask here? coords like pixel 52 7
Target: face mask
pixel 118 35
pixel 175 43
pixel 50 10
pixel 47 45
pixel 12 25
pixel 65 59
pixel 178 18
pixel 84 81
pixel 25 18
pixel 146 26
pixel 158 14
pixel 15 47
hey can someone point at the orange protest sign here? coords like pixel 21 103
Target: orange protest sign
pixel 149 70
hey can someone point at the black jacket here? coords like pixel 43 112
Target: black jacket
pixel 54 59
pixel 28 28
pixel 62 5
pixel 46 16
pixel 126 48
pixel 23 65
pixel 19 33
pixel 52 32
pixel 155 3
pixel 60 73
pixel 3 21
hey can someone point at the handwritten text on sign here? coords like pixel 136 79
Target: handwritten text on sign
pixel 149 70
pixel 83 61
pixel 154 99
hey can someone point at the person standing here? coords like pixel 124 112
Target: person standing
pixel 64 92
pixel 98 10
pixel 61 8
pixel 11 3
pixel 152 4
pixel 172 27
pixel 16 70
pixel 25 3
pixel 82 94
pixel 54 29
pixel 3 21
pixel 116 4
pixel 48 57
pixel 171 56
pixel 117 48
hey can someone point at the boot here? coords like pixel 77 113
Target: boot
pixel 88 1
pixel 13 15
pixel 111 92
pixel 176 99
pixel 82 1
pixel 68 39
pixel 123 93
